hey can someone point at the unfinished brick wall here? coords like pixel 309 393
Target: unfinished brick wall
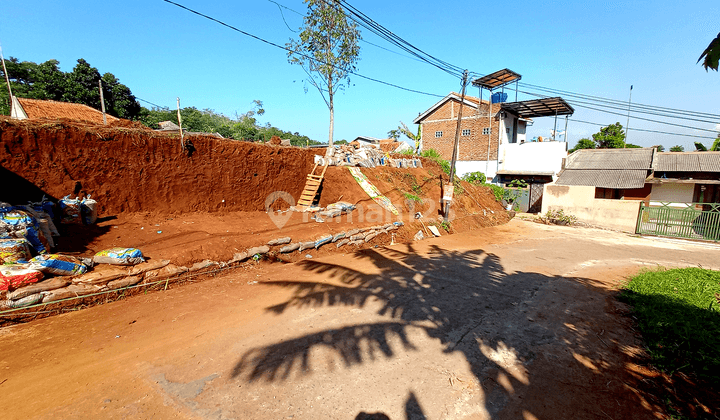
pixel 472 147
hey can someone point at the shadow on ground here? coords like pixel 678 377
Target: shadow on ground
pixel 533 341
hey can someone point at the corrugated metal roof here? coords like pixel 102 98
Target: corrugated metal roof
pixel 610 159
pixel 626 178
pixel 688 162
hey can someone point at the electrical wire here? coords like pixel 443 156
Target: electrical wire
pixel 294 52
pixel 148 102
pixel 361 40
pixel 578 104
pixel 642 129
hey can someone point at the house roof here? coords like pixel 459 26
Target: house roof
pixel 607 168
pixel 36 109
pixel 618 178
pixel 640 158
pixel 470 101
pixel 688 162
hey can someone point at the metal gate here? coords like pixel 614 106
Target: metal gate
pixel 535 199
pixel 686 220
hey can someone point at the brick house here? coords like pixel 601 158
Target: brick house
pixel 493 137
pixel 481 124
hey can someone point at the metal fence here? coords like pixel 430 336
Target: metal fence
pixel 684 220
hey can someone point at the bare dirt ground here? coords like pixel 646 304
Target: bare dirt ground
pixel 518 321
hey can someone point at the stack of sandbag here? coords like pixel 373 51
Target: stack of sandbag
pixel 78 211
pixel 14 250
pixel 16 223
pixel 44 217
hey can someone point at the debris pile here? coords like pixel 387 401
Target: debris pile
pixel 366 157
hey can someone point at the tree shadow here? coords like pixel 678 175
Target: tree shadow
pixel 473 306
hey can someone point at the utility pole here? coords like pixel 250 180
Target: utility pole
pixel 627 124
pixel 447 196
pixel 102 102
pixel 7 78
pixel 182 142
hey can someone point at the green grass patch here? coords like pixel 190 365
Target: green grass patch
pixel 679 316
pixel 412 197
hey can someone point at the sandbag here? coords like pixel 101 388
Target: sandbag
pixel 14 250
pixel 88 210
pixel 60 265
pixel 43 286
pixel 169 270
pixel 18 275
pixel 16 223
pixel 101 275
pixel 124 282
pixel 70 211
pixel 147 266
pixel 26 301
pixel 119 256
pixel 73 290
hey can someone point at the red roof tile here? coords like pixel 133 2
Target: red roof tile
pixel 36 109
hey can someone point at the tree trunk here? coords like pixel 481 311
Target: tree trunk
pixel 332 115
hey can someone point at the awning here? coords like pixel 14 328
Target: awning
pixel 545 107
pixel 652 180
pixel 498 79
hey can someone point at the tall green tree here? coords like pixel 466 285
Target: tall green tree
pixel 327 50
pixel 583 144
pixel 46 81
pixel 610 137
pixel 711 55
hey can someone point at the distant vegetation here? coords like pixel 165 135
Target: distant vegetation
pixel 46 81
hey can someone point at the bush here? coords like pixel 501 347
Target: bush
pixel 435 155
pixel 475 178
pixel 559 217
pixel 498 191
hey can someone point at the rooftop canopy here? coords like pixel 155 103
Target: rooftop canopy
pixel 498 79
pixel 545 107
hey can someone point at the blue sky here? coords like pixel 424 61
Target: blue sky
pixel 595 48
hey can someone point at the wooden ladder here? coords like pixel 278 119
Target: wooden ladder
pixel 312 184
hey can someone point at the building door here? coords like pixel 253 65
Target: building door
pixel 535 199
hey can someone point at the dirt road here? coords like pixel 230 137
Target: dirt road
pixel 514 321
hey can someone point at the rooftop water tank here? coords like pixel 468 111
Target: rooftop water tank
pixel 498 97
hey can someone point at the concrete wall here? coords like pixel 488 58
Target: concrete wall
pixel 488 168
pixel 673 193
pixel 533 156
pixel 580 202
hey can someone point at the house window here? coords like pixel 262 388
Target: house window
pixel 438 134
pixel 466 132
pixel 486 131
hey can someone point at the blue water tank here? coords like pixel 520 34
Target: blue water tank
pixel 498 97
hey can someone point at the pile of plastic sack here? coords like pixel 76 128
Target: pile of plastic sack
pixel 366 157
pixel 44 277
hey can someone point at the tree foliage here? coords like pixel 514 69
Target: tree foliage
pixel 660 147
pixel 242 127
pixel 46 81
pixel 583 144
pixel 327 50
pixel 610 137
pixel 415 137
pixel 711 54
pixel 677 148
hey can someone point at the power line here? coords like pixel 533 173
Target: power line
pixel 641 129
pixel 294 52
pixel 617 102
pixel 155 105
pixel 389 36
pixel 578 104
pixel 361 40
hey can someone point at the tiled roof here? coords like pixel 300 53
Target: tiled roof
pixel 623 178
pixel 688 162
pixel 610 159
pixel 36 109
